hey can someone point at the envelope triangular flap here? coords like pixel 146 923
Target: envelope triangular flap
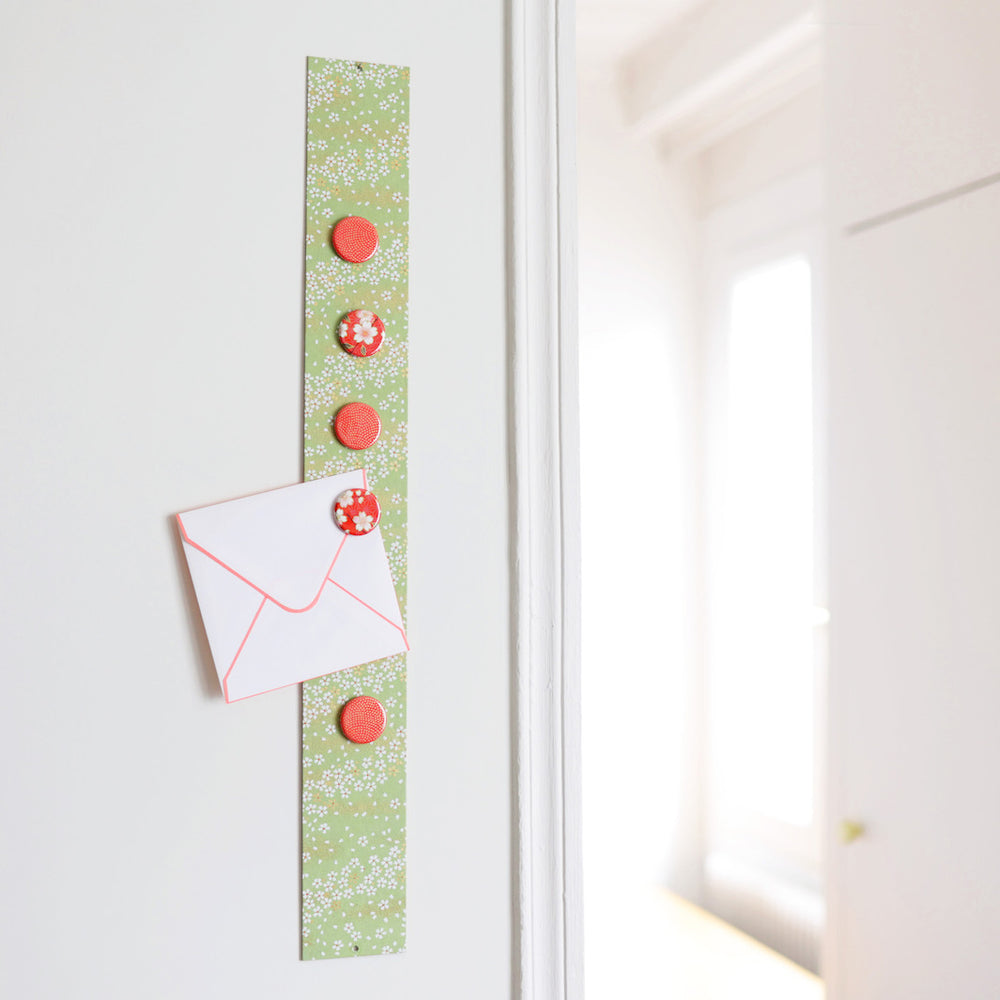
pixel 281 542
pixel 361 571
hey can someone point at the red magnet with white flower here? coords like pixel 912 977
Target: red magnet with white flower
pixel 356 511
pixel 361 333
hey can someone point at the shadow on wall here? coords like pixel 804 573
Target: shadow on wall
pixel 207 676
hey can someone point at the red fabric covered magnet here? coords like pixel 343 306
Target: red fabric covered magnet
pixel 361 333
pixel 355 239
pixel 356 511
pixel 362 719
pixel 357 426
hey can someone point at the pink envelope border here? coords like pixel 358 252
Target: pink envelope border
pixel 284 607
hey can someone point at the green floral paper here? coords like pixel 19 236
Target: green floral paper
pixel 353 796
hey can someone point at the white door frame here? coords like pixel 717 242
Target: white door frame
pixel 544 430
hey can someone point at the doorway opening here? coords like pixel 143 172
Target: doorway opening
pixel 700 199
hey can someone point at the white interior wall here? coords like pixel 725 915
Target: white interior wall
pixel 152 194
pixel 914 492
pixel 914 111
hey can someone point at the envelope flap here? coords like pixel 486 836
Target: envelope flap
pixel 281 542
pixel 361 571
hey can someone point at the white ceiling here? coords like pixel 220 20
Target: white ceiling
pixel 607 30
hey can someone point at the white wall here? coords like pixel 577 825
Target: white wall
pixel 637 361
pixel 916 113
pixel 914 362
pixel 152 168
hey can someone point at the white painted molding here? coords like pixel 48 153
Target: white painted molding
pixel 544 426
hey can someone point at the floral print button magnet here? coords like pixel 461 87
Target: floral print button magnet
pixel 356 511
pixel 361 333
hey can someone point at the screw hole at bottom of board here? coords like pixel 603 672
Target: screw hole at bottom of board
pixel 356 948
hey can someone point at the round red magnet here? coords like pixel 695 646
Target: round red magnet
pixel 361 333
pixel 362 719
pixel 355 239
pixel 356 511
pixel 357 426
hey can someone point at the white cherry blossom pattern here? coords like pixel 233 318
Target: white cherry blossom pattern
pixel 356 511
pixel 361 333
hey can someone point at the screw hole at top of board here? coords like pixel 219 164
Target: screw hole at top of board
pixel 359 66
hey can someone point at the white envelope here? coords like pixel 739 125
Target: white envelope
pixel 285 595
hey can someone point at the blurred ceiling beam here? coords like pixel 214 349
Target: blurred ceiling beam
pixel 725 64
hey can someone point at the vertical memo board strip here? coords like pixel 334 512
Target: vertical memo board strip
pixel 354 795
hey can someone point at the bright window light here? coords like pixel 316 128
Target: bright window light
pixel 762 710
